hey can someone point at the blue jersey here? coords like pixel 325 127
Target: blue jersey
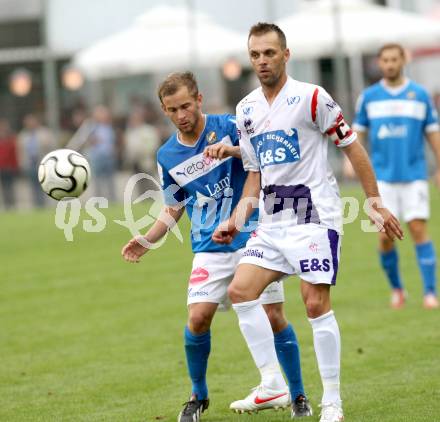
pixel 397 121
pixel 209 188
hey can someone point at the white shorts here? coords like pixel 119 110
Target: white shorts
pixel 308 250
pixel 407 201
pixel 210 277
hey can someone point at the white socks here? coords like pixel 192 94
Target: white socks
pixel 257 331
pixel 327 341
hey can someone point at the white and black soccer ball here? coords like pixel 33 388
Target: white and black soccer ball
pixel 64 173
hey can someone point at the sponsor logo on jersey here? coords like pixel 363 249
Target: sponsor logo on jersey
pixel 217 189
pixel 313 247
pixel 331 105
pixel 196 166
pixel 392 131
pixel 198 275
pixel 211 137
pixel 293 100
pixel 247 110
pixel 276 147
pixel 248 126
pixel 312 265
pixel 396 108
pixel 200 293
pixel 253 252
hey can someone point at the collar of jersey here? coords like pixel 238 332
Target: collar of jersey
pixel 395 91
pixel 198 140
pixel 279 95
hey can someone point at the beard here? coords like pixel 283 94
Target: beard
pixel 270 80
pixel 393 75
pixel 190 125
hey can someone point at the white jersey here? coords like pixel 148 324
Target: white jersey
pixel 287 142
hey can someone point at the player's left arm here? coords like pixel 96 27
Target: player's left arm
pixel 327 115
pixel 434 140
pixel 381 216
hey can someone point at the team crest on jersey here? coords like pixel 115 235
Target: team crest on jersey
pixel 276 147
pixel 411 95
pixel 248 126
pixel 248 110
pixel 211 137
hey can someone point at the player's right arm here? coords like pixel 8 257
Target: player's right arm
pixel 226 231
pixel 138 246
pixel 222 150
pixel 168 217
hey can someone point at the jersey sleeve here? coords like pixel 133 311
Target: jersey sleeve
pixel 172 192
pixel 431 122
pixel 361 122
pixel 328 117
pixel 248 156
pixel 232 130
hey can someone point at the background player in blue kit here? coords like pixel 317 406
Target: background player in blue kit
pixel 195 177
pixel 398 114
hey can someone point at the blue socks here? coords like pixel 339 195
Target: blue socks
pixel 390 264
pixel 287 348
pixel 197 348
pixel 427 264
pixel 426 260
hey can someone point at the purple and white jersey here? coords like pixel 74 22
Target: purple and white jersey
pixel 287 142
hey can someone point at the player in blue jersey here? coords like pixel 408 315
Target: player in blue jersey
pixel 398 113
pixel 195 177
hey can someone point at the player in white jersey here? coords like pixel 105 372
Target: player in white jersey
pixel 194 177
pixel 285 126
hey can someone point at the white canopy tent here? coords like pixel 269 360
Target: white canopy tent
pixel 164 38
pixel 363 28
pixel 324 28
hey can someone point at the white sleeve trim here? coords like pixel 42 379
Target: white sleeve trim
pixel 348 141
pixel 359 128
pixel 433 127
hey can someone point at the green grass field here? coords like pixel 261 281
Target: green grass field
pixel 85 336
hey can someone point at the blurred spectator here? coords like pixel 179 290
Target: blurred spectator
pixel 141 143
pixel 100 150
pixel 8 163
pixel 34 142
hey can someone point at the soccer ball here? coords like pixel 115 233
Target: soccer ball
pixel 64 173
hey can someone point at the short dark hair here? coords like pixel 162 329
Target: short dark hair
pixel 175 81
pixel 262 28
pixel 391 46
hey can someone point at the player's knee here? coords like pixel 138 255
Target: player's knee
pixel 276 317
pixel 316 306
pixel 236 294
pixel 199 322
pixel 418 232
